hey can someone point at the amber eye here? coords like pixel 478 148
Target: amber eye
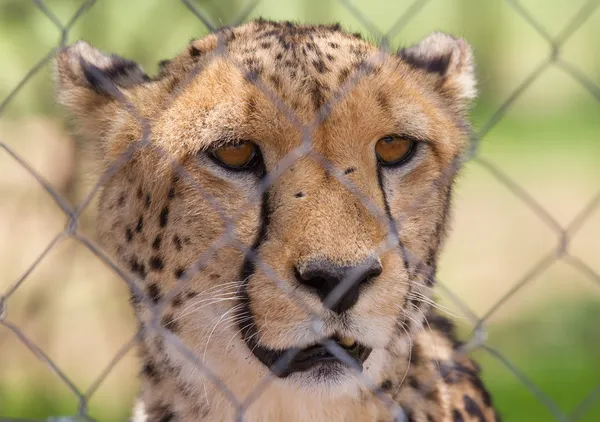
pixel 394 150
pixel 241 155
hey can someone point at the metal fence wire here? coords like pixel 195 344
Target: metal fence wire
pixel 477 339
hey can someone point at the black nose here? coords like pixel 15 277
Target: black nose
pixel 323 277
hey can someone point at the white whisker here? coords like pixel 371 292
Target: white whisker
pixel 409 358
pixel 205 305
pixel 215 326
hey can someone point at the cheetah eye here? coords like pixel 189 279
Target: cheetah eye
pixel 241 155
pixel 394 150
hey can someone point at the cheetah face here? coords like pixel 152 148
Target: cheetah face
pixel 289 196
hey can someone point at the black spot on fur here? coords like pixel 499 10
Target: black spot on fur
pixel 163 218
pixel 172 83
pixel 344 73
pixel 320 66
pixel 137 267
pixel 171 193
pixel 255 69
pixel 412 381
pixel 179 273
pixel 473 408
pixel 166 417
pixel 157 242
pixel 445 326
pixel 169 323
pixel 154 293
pixel 149 371
pixel 194 51
pixel 433 395
pixel 177 300
pixel 134 299
pixel 156 263
pixel 140 224
pixel 334 45
pixel 431 264
pixel 299 195
pixel 283 43
pixel 457 416
pixel 121 200
pixel 276 81
pixel 350 170
pixel 147 203
pixel 177 242
pixel 191 294
pixel 162 64
pixel 409 415
pixel 465 370
pixel 265 45
pixel 415 354
pixel 140 193
pixel 128 234
pixel 447 372
pixel 478 385
pixel 386 385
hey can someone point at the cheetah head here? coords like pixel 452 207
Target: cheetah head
pixel 277 195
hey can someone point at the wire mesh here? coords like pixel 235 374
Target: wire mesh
pixel 477 339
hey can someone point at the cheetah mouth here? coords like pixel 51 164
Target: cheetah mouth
pixel 288 361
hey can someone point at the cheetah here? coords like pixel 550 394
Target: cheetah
pixel 277 197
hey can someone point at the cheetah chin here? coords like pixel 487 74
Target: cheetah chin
pixel 285 282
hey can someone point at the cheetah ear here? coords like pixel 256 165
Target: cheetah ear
pixel 449 61
pixel 88 82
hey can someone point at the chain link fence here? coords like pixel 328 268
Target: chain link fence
pixel 478 338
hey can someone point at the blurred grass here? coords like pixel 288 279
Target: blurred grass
pixel 563 360
pixel 547 142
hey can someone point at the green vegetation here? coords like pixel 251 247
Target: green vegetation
pixel 557 349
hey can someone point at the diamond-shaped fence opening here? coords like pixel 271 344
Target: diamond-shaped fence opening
pixel 555 39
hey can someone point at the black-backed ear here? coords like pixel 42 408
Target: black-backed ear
pixel 450 61
pixel 87 80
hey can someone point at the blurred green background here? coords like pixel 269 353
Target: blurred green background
pixel 548 143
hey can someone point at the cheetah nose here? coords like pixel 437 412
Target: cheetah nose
pixel 323 276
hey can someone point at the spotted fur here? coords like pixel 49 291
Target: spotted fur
pixel 168 214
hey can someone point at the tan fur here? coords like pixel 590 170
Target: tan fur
pixel 182 226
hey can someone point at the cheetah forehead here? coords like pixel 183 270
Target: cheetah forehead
pixel 282 52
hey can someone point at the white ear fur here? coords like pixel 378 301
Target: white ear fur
pixel 450 59
pixel 81 67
